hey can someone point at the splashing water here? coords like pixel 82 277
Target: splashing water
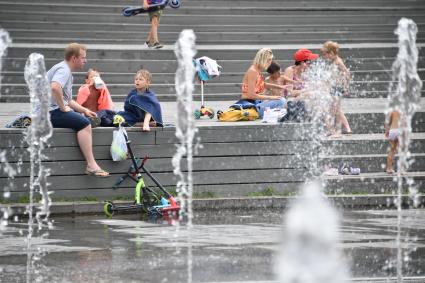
pixel 310 251
pixel 185 129
pixel 404 96
pixel 37 137
pixel 4 165
pixel 318 102
pixel 5 41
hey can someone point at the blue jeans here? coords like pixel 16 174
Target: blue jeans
pixel 71 120
pixel 270 103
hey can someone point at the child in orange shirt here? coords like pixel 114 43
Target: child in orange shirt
pixel 94 94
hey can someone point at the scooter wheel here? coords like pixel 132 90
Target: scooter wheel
pixel 108 209
pixel 174 4
pixel 197 114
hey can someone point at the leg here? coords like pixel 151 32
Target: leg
pixel 344 121
pixel 84 138
pixel 390 157
pixel 146 121
pixel 280 103
pixel 154 29
pixel 82 126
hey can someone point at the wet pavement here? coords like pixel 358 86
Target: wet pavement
pixel 226 246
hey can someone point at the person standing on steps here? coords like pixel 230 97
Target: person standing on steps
pixel 67 113
pixel 154 17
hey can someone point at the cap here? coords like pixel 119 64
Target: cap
pixel 304 54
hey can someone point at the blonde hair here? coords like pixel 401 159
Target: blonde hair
pixel 73 49
pixel 145 74
pixel 331 47
pixel 262 56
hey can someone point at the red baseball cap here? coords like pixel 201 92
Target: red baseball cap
pixel 304 54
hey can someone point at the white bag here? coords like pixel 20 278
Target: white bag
pixel 119 148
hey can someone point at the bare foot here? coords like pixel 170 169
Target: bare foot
pixel 146 128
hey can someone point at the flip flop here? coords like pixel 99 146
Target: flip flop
pixel 100 173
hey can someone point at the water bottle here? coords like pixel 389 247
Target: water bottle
pixel 98 82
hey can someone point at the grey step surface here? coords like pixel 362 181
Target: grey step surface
pixel 364 115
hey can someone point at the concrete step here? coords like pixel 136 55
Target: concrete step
pixel 141 27
pixel 362 69
pixel 230 90
pixel 248 4
pixel 371 183
pixel 234 6
pixel 365 144
pixel 191 20
pixel 377 80
pixel 371 163
pixel 209 37
pixel 379 56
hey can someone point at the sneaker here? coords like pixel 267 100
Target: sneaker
pixel 157 45
pixel 95 122
pixel 148 44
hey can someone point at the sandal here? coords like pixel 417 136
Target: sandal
pixel 100 173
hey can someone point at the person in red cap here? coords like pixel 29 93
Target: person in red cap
pixel 292 75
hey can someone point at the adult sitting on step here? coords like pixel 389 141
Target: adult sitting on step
pixel 65 112
pixel 303 58
pixel 94 95
pixel 254 86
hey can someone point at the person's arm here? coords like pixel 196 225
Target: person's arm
pixel 289 80
pixel 251 78
pixel 57 94
pixel 78 108
pixel 387 123
pixel 344 69
pixel 270 85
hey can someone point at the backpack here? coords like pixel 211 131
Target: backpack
pixel 295 112
pixel 233 114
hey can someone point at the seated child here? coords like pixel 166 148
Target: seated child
pixel 141 104
pixel 392 133
pixel 94 95
pixel 276 78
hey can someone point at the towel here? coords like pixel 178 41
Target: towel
pixel 136 105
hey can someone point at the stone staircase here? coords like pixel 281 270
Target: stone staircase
pixel 232 32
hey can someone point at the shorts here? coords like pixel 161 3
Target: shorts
pixel 393 134
pixel 153 14
pixel 337 91
pixel 69 120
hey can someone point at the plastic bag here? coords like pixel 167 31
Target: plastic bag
pixel 119 148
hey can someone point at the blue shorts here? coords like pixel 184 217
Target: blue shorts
pixel 70 120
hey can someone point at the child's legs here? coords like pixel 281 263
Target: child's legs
pixel 391 154
pixel 344 121
pixel 153 33
pixel 331 115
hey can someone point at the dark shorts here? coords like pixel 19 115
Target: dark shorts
pixel 70 120
pixel 153 14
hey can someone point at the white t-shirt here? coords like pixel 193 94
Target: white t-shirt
pixel 61 73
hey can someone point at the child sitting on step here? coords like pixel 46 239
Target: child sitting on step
pixel 277 78
pixel 141 104
pixel 392 133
